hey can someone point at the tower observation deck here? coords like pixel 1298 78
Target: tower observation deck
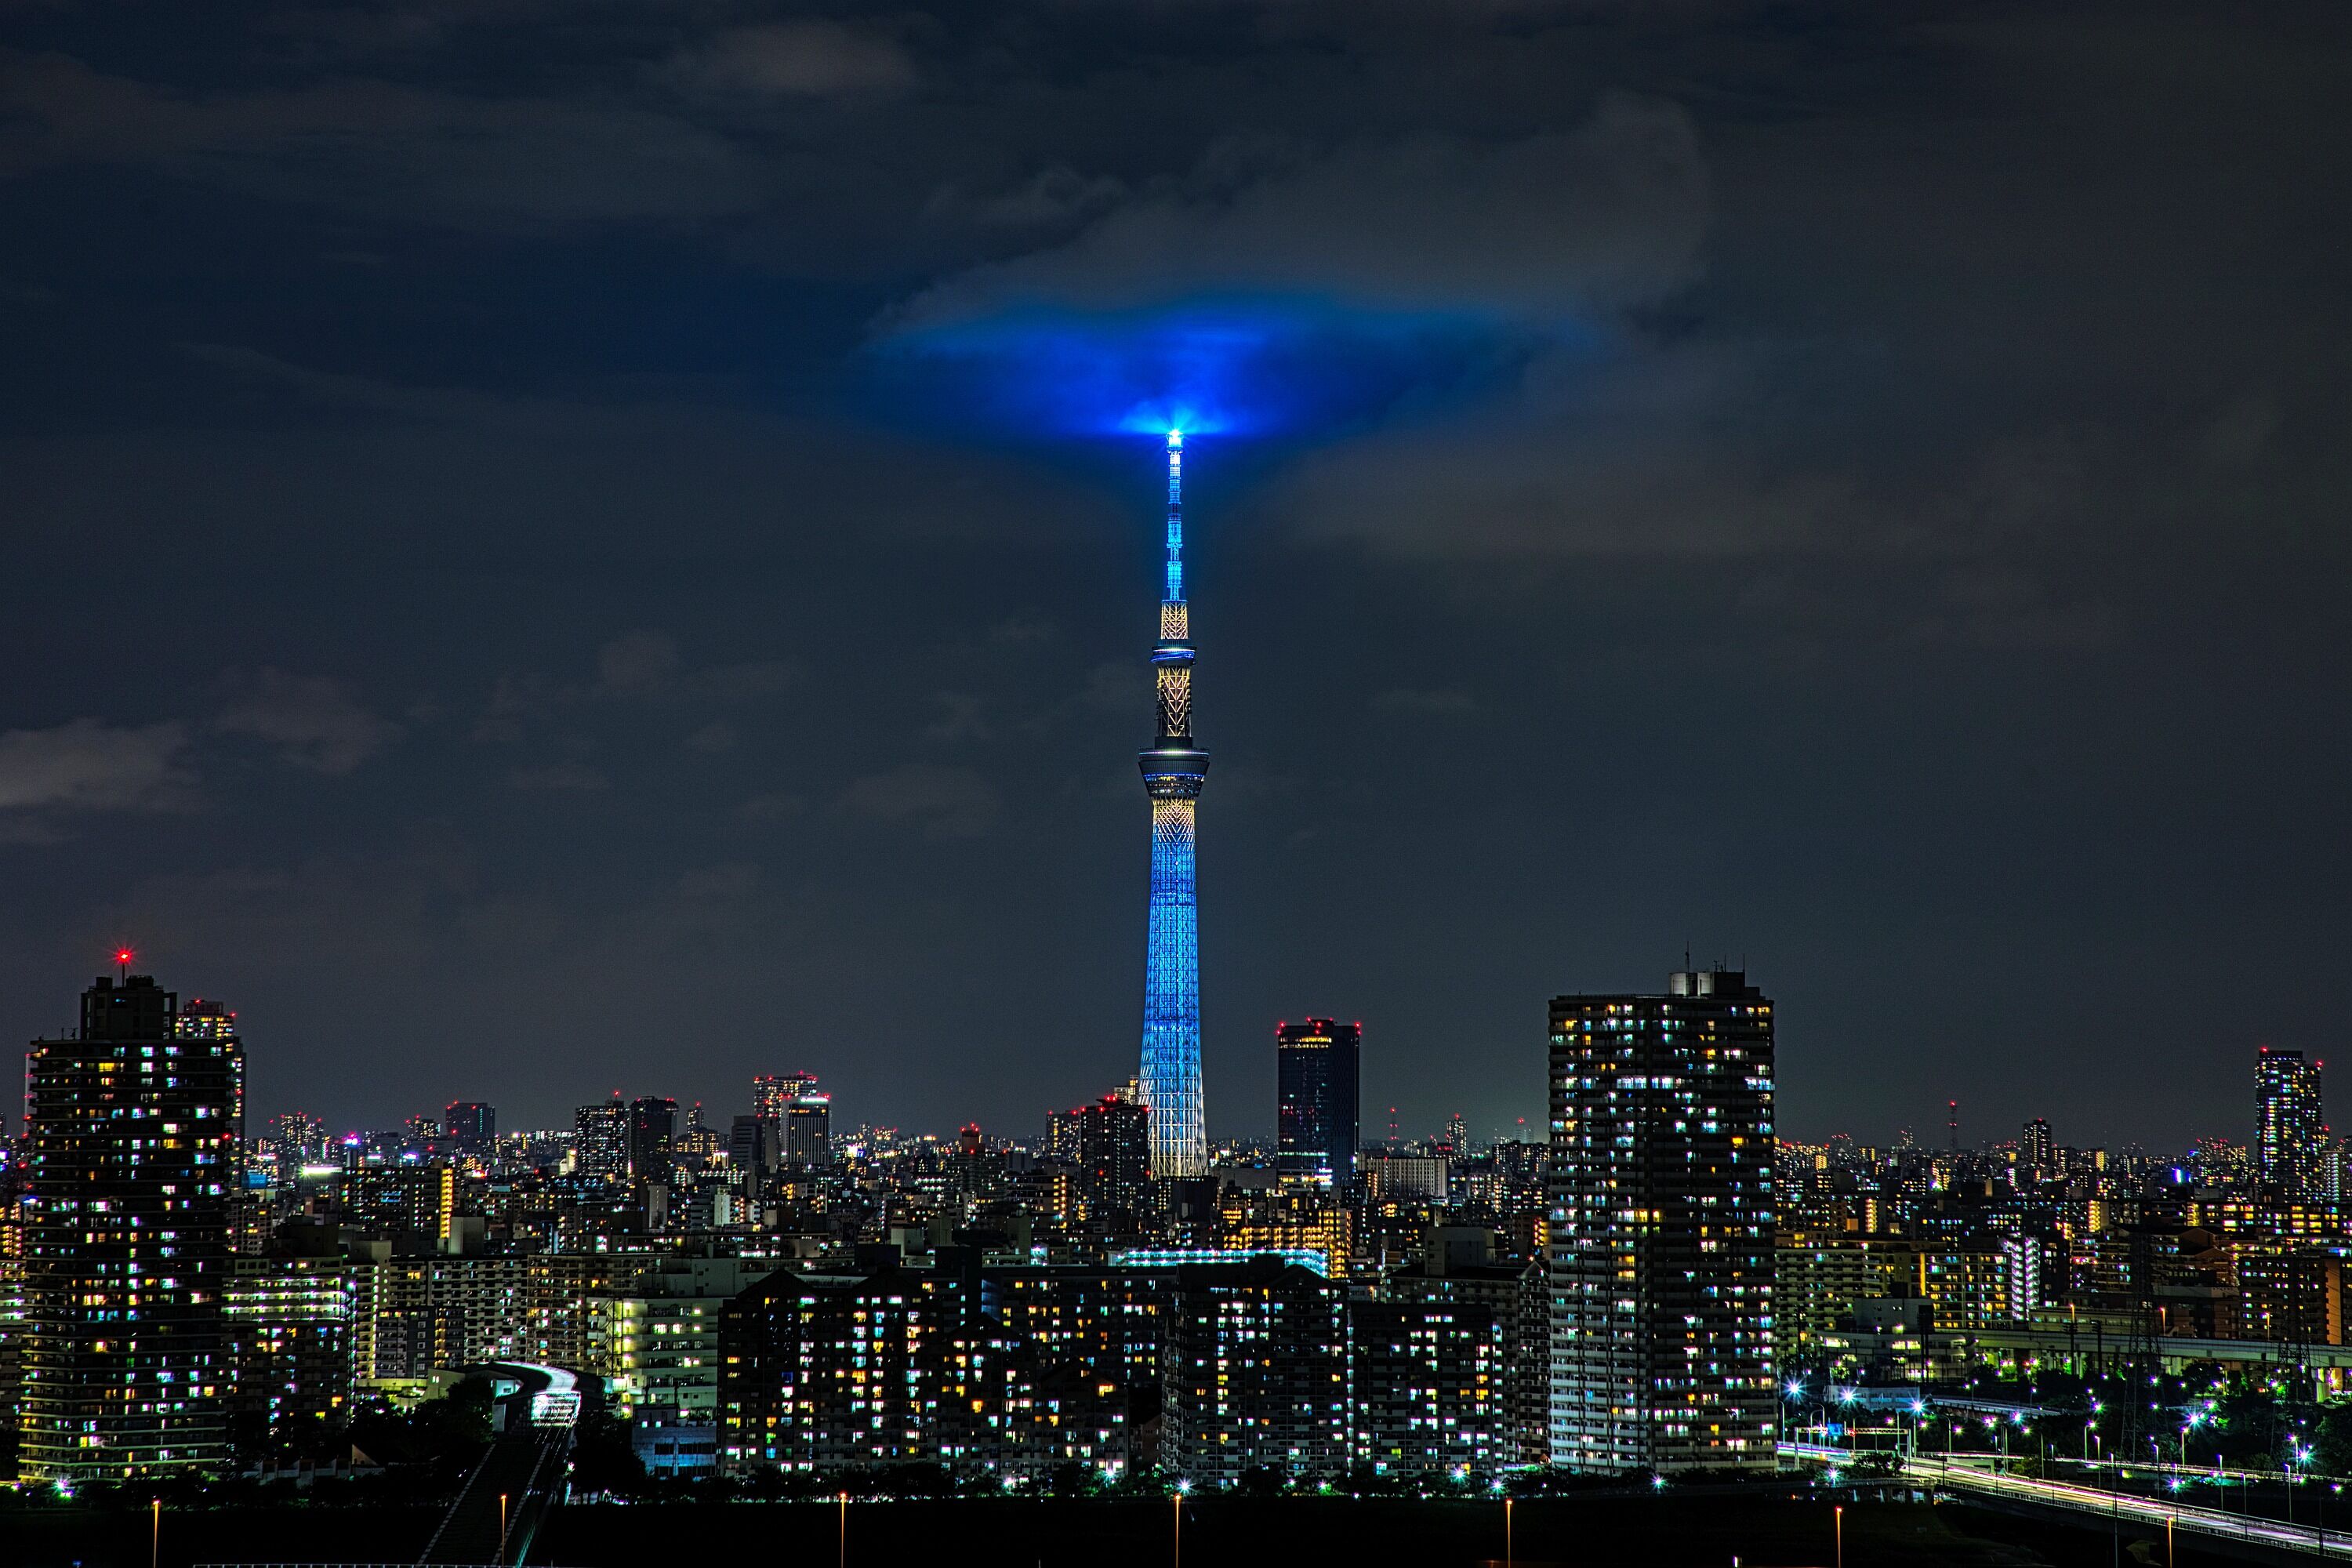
pixel 1173 770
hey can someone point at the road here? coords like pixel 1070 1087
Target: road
pixel 506 1499
pixel 1974 1472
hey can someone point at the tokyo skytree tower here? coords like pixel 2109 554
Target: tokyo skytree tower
pixel 1172 771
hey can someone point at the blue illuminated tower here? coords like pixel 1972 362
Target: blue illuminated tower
pixel 1172 771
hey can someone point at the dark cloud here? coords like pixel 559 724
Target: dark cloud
pixel 807 58
pixel 379 149
pixel 572 777
pixel 945 802
pixel 1549 229
pixel 85 765
pixel 315 722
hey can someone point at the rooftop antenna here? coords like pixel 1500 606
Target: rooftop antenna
pixel 122 957
pixel 1952 1122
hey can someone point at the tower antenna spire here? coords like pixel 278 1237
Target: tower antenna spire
pixel 1173 770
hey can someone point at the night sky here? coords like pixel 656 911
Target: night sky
pixel 562 546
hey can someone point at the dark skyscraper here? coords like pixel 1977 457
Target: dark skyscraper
pixel 1317 1067
pixel 473 1124
pixel 133 1152
pixel 1114 1155
pixel 2290 1138
pixel 2036 1151
pixel 751 1146
pixel 653 1132
pixel 808 1131
pixel 1662 1228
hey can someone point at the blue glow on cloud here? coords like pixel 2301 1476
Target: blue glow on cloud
pixel 1247 367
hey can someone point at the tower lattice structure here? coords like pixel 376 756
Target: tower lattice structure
pixel 1172 772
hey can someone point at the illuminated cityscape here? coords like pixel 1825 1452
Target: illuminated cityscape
pixel 1653 1289
pixel 1661 1288
pixel 1772 581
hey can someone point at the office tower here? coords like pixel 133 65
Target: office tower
pixel 1172 773
pixel 133 1153
pixel 2289 1138
pixel 773 1093
pixel 2036 1151
pixel 808 1130
pixel 1661 1230
pixel 700 1142
pixel 471 1123
pixel 653 1129
pixel 1114 1155
pixel 1317 1112
pixel 751 1147
pixel 602 1132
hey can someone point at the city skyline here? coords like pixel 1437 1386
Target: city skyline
pixel 1770 585
pixel 659 518
pixel 2292 1131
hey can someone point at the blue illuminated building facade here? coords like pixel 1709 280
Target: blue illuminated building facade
pixel 1172 772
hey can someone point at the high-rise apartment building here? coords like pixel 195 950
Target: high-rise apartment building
pixel 133 1156
pixel 1427 1387
pixel 603 1138
pixel 2290 1138
pixel 1114 1155
pixel 1254 1369
pixel 1660 1229
pixel 1317 1109
pixel 290 1325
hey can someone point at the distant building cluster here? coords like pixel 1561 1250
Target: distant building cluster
pixel 185 1293
pixel 1912 1264
pixel 179 1293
